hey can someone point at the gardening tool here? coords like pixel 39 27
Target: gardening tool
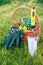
pixel 33 18
pixel 32 45
pixel 32 41
pixel 30 33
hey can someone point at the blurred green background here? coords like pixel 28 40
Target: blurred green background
pixel 14 55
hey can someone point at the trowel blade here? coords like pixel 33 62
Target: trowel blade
pixel 32 45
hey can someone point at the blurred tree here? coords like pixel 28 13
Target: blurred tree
pixel 24 0
pixel 1 2
pixel 40 1
pixel 5 2
pixel 9 1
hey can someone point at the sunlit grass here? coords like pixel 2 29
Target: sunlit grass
pixel 14 55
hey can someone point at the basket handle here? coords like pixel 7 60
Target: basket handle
pixel 27 8
pixel 21 7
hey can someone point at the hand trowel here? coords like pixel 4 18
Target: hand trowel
pixel 32 41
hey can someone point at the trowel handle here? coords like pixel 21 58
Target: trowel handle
pixel 33 18
pixel 32 31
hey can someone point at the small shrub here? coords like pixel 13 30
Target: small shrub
pixel 5 2
pixel 40 1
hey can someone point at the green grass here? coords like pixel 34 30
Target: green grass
pixel 14 55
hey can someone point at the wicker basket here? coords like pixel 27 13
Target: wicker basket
pixel 27 32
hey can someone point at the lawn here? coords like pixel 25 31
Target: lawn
pixel 14 55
